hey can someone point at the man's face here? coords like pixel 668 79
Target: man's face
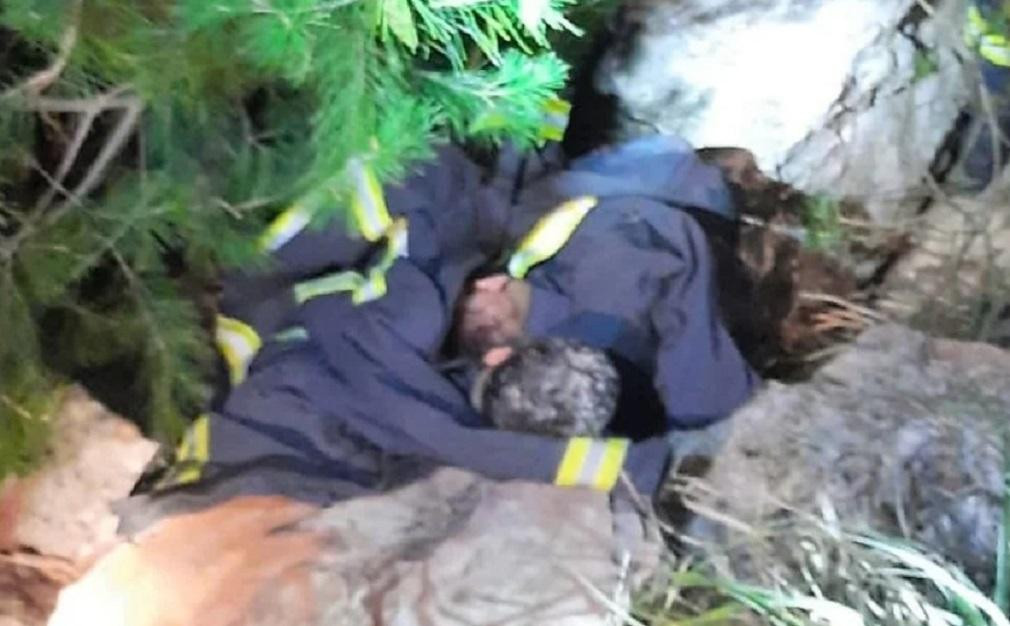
pixel 492 313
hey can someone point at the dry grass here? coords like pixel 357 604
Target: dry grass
pixel 812 570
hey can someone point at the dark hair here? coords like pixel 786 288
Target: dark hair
pixel 552 387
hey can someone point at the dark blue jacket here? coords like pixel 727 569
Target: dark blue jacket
pixel 634 278
pixel 368 372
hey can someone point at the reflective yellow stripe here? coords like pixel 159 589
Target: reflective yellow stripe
pixel 373 288
pixel 193 451
pixel 238 343
pixel 571 463
pixel 284 227
pixel 549 235
pixel 557 106
pixel 989 39
pixel 374 285
pixel 995 49
pixel 555 119
pixel 346 281
pixel 592 463
pixel 397 239
pixel 368 204
pixel 611 464
pixel 364 288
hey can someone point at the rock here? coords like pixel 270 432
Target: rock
pixel 955 277
pixel 847 97
pixel 55 520
pixel 29 584
pixel 96 457
pixel 900 433
pixel 452 548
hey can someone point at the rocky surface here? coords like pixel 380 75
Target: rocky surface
pixel 954 278
pixel 847 97
pixel 901 434
pixel 54 521
pixel 450 549
pixel 95 459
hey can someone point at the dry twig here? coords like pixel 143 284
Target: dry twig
pixel 40 217
pixel 844 304
pixel 94 106
pixel 44 78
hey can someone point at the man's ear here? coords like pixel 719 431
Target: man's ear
pixel 496 356
pixel 496 282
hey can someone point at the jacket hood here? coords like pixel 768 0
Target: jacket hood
pixel 661 167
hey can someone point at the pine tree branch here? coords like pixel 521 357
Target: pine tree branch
pixel 90 114
pixel 17 408
pixel 44 104
pixel 113 146
pixel 141 296
pixel 43 79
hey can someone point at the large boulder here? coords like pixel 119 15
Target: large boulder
pixel 900 434
pixel 847 97
pixel 955 279
pixel 451 548
pixel 57 519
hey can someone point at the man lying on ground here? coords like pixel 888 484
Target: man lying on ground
pixel 335 353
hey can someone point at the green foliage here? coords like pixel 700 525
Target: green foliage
pixel 926 64
pixel 819 574
pixel 26 390
pixel 822 222
pixel 148 143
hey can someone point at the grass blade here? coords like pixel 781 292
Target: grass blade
pixel 1001 594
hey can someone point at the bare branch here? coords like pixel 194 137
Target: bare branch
pixel 43 79
pixel 844 304
pixel 46 104
pixel 80 134
pixel 112 148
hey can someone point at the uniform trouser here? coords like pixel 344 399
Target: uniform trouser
pixel 268 439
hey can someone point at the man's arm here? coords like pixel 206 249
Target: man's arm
pixel 392 395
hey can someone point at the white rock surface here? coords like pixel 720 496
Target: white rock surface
pixel 825 93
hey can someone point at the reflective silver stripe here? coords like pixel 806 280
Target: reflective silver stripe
pixel 238 343
pixel 592 462
pixel 364 288
pixel 284 228
pixel 368 204
pixel 374 285
pixel 373 288
pixel 595 463
pixel 296 333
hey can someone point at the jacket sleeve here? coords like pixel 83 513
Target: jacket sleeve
pixel 455 224
pixel 393 396
pixel 700 374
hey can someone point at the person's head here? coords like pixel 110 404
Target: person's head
pixel 554 387
pixel 491 313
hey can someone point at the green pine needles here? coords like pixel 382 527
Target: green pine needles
pixel 147 143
